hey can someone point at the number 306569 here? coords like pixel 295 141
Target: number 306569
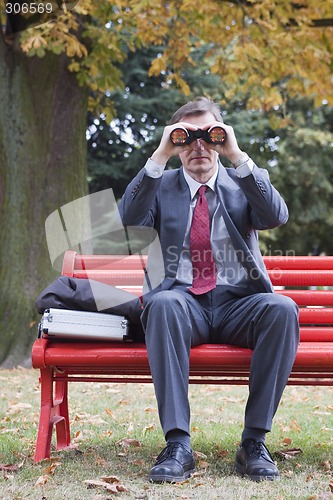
pixel 28 8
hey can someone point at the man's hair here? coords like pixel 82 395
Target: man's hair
pixel 198 106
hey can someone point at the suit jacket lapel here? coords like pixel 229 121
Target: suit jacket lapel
pixel 178 199
pixel 176 204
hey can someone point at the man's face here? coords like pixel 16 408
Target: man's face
pixel 200 160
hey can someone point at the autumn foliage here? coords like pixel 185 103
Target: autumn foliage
pixel 267 49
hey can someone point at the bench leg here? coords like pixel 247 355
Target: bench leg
pixel 53 412
pixel 60 413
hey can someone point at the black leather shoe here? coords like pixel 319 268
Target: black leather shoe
pixel 173 465
pixel 254 461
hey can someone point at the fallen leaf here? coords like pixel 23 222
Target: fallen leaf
pixel 287 441
pixel 111 414
pixel 94 483
pixel 78 436
pixel 112 487
pixel 42 480
pixel 203 464
pixel 289 473
pixel 198 455
pixel 127 442
pixel 150 410
pixel 139 462
pixel 294 425
pixel 123 402
pixel 223 453
pixel 9 467
pixel 121 487
pixel 110 479
pixel 108 433
pixel 82 416
pixel 148 428
pixel 18 407
pixel 51 468
pixel 289 454
pixel 326 465
pixel 331 486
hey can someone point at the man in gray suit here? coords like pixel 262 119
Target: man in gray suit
pixel 215 288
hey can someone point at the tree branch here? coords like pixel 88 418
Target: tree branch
pixel 322 23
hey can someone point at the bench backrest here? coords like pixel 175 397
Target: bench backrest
pixel 308 280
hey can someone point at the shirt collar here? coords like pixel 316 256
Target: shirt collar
pixel 195 185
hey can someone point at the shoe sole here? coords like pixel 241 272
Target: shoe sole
pixel 171 479
pixel 242 472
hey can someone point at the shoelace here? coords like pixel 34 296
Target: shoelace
pixel 258 449
pixel 168 452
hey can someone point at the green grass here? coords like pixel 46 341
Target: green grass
pixel 104 415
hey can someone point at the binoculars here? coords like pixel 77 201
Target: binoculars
pixel 181 136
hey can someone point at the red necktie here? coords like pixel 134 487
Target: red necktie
pixel 203 265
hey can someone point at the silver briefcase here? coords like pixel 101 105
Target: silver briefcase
pixel 82 325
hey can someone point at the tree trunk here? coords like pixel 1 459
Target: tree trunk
pixel 42 167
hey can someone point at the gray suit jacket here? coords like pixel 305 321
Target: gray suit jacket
pixel 248 205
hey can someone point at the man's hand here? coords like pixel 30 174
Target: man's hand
pixel 229 149
pixel 166 149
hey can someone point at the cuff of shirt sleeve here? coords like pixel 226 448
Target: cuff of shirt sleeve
pixel 245 169
pixel 153 169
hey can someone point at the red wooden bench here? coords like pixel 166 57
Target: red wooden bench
pixel 62 362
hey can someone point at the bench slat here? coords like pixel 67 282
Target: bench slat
pixel 115 277
pixel 316 333
pixel 307 262
pixel 287 277
pixel 319 315
pixel 129 357
pixel 309 297
pixel 112 262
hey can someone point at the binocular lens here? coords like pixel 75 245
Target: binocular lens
pixel 179 136
pixel 217 135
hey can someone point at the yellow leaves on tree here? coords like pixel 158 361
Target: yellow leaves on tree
pixel 59 36
pixel 265 48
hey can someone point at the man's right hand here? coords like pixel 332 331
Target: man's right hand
pixel 166 149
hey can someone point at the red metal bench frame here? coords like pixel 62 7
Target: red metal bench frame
pixel 63 362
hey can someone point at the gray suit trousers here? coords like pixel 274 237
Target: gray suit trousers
pixel 174 320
